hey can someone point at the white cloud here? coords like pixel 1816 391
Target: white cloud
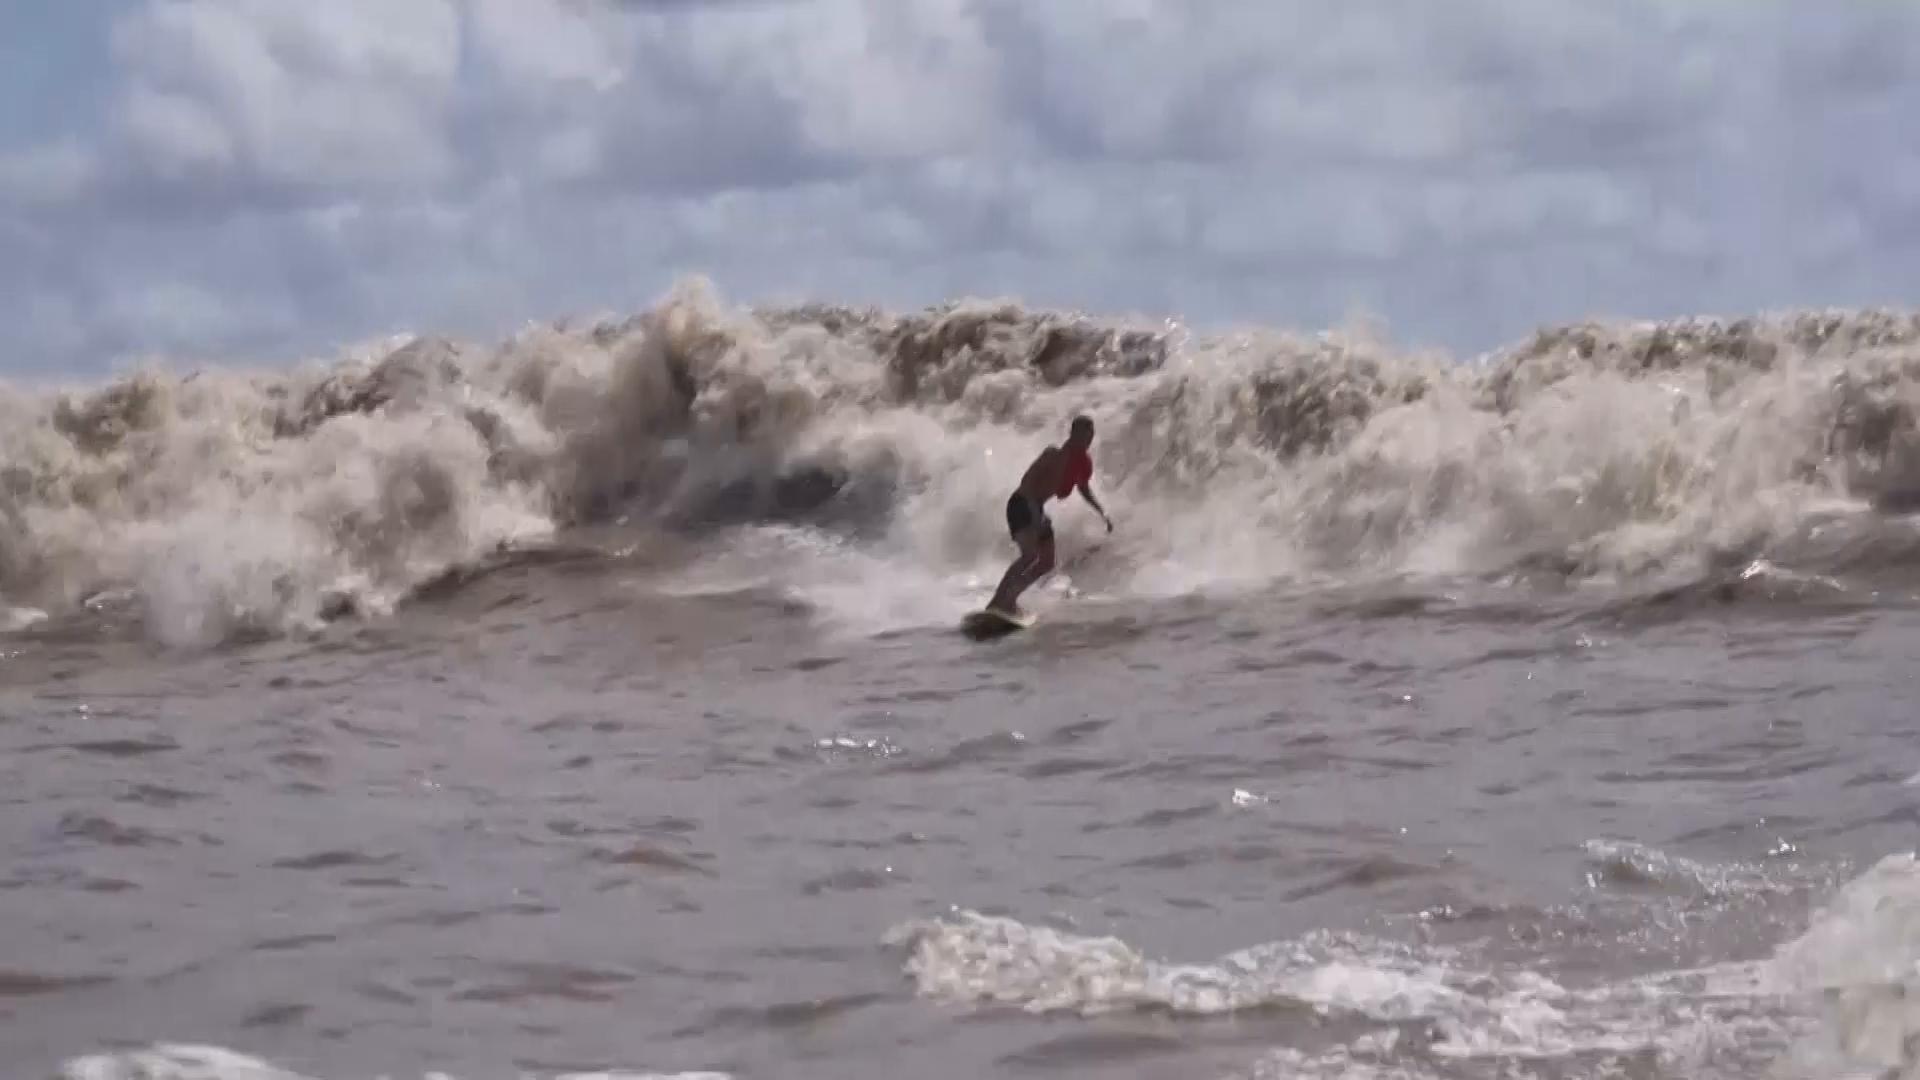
pixel 349 92
pixel 538 47
pixel 53 173
pixel 175 135
pixel 275 173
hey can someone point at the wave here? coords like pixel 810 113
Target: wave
pixel 232 502
pixel 1860 959
pixel 1837 1000
pixel 1403 1006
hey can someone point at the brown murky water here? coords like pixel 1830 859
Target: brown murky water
pixel 557 822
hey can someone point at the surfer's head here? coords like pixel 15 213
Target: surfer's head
pixel 1080 432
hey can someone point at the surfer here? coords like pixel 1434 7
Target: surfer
pixel 1054 474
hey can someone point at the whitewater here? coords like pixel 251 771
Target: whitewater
pixel 589 704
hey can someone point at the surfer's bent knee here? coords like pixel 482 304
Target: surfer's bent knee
pixel 1043 555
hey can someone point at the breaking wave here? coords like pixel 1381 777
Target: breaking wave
pixel 1835 1001
pixel 1408 1009
pixel 1861 961
pixel 876 447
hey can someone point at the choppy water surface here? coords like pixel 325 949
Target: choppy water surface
pixel 559 823
pixel 594 706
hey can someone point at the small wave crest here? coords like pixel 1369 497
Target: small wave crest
pixel 1436 995
pixel 1837 1000
pixel 1640 866
pixel 234 502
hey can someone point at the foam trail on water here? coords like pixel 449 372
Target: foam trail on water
pixel 186 1061
pixel 1769 454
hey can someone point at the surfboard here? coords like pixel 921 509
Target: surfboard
pixel 988 623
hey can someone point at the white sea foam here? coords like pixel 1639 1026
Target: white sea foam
pixel 1860 962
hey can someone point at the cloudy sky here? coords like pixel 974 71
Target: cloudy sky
pixel 262 179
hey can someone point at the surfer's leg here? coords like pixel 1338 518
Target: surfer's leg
pixel 1036 562
pixel 1040 566
pixel 1008 591
pixel 1017 576
pixel 1028 526
pixel 1020 522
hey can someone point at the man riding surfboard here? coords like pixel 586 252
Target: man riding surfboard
pixel 1054 474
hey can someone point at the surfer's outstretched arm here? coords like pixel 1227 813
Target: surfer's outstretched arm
pixel 1087 494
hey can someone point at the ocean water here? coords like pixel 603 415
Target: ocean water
pixel 591 704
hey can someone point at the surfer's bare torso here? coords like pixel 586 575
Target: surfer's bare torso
pixel 1042 478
